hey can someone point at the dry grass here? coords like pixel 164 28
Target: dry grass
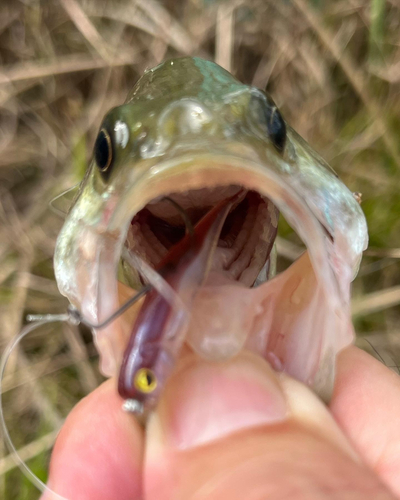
pixel 334 69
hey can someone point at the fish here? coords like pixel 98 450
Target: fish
pixel 184 191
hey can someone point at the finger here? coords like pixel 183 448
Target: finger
pixel 98 453
pixel 235 430
pixel 366 404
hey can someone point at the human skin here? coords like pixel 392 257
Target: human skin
pixel 238 430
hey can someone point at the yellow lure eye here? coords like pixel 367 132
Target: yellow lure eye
pixel 145 380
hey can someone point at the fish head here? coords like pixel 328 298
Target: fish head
pixel 190 131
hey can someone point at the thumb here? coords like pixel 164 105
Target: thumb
pixel 238 430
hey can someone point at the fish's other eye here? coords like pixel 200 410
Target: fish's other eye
pixel 276 125
pixel 267 114
pixel 145 380
pixel 103 151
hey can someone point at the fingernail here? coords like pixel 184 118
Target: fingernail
pixel 308 409
pixel 204 402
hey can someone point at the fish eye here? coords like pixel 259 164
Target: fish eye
pixel 103 151
pixel 267 113
pixel 276 125
pixel 145 380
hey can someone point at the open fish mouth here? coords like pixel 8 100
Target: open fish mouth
pixel 234 300
pixel 245 241
pixel 209 245
pixel 297 320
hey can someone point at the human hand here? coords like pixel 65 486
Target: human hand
pixel 237 430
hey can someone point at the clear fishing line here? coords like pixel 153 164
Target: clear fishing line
pixel 7 438
pixel 74 317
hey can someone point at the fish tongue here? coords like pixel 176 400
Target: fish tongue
pixel 160 326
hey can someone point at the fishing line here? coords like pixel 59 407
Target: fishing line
pixel 7 438
pixel 74 317
pixel 380 357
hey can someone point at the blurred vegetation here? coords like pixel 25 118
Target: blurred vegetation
pixel 332 66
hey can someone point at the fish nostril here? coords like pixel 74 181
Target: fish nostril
pixel 187 116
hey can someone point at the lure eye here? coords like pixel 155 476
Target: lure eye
pixel 103 151
pixel 145 380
